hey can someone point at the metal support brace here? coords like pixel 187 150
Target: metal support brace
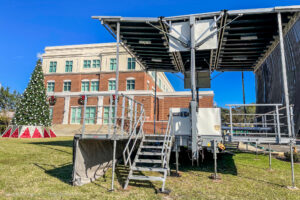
pixel 284 74
pixel 116 108
pixel 84 109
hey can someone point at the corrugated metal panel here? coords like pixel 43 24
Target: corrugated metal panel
pixel 269 84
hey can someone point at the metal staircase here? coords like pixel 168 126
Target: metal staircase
pixel 153 155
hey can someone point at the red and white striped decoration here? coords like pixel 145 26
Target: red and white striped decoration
pixel 28 132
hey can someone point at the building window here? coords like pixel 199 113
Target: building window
pixel 96 63
pixel 75 115
pixel 111 84
pixel 52 66
pixel 51 113
pixel 50 86
pixel 95 86
pixel 69 66
pixel 106 115
pixel 131 63
pixel 153 74
pixel 90 114
pixel 86 64
pixel 67 86
pixel 85 86
pixel 130 84
pixel 159 83
pixel 113 64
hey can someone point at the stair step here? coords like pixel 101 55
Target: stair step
pixel 151 169
pixel 146 135
pixel 147 161
pixel 151 147
pixel 150 153
pixel 153 141
pixel 145 178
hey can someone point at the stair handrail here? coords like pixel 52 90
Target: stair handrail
pixel 167 140
pixel 127 148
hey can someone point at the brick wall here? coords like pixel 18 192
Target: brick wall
pixel 141 79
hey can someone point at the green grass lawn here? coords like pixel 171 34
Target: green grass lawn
pixel 41 169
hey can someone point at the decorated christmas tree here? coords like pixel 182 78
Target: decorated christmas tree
pixel 33 108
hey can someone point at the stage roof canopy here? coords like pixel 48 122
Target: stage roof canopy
pixel 244 39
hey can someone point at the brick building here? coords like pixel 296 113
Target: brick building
pixel 71 71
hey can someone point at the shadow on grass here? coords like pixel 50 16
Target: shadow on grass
pixel 62 172
pixel 48 144
pixel 225 163
pixel 63 143
pixel 122 174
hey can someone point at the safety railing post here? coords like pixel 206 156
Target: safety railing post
pixel 123 115
pixel 135 113
pixel 278 124
pixel 131 115
pixel 84 109
pixel 110 114
pixel 292 121
pixel 231 127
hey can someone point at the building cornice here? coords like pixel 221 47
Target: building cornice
pixel 91 73
pixel 131 93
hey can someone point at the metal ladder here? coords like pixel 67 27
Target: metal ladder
pixel 153 155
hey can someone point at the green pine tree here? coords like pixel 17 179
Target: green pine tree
pixel 33 107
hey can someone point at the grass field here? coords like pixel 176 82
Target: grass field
pixel 41 169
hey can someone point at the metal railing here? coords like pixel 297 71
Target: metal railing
pixel 135 129
pixel 129 111
pixel 167 144
pixel 258 120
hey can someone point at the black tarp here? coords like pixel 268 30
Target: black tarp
pixel 269 84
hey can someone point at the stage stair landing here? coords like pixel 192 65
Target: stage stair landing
pixel 153 155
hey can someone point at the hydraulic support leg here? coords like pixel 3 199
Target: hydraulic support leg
pixel 177 158
pixel 293 187
pixel 116 109
pixel 270 158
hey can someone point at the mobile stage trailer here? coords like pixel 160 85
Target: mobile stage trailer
pixel 196 45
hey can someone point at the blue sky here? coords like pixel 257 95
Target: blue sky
pixel 28 26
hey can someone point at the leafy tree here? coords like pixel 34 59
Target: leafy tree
pixel 8 100
pixel 33 107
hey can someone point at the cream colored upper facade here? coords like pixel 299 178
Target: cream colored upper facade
pixel 103 52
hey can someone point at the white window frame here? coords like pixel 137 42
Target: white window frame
pixel 76 114
pixel 95 80
pixel 85 80
pixel 130 79
pixel 66 81
pixel 111 79
pixel 50 81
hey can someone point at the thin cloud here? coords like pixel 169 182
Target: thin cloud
pixel 39 55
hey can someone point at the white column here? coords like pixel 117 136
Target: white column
pixel 99 110
pixel 66 110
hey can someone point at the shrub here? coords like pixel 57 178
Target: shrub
pixel 2 129
pixel 295 155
